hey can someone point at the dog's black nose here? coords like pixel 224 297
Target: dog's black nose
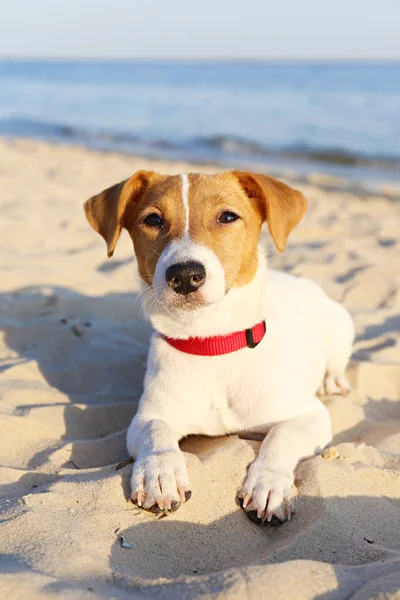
pixel 185 278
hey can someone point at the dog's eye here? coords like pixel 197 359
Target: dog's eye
pixel 228 217
pixel 153 220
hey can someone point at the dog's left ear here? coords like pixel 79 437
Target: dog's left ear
pixel 281 206
pixel 108 211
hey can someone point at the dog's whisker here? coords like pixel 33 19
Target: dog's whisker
pixel 147 304
pixel 155 252
pixel 142 295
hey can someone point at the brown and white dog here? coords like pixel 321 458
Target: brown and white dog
pixel 235 347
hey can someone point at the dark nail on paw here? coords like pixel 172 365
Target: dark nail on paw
pixel 252 515
pixel 155 509
pixel 275 521
pixel 176 505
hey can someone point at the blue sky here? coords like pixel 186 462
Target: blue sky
pixel 201 29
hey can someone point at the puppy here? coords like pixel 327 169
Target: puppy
pixel 235 347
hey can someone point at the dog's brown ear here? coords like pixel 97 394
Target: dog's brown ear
pixel 280 205
pixel 106 212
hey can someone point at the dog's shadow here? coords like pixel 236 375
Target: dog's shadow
pixel 169 548
pixel 85 358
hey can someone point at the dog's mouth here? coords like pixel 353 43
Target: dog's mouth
pixel 189 302
pixel 173 302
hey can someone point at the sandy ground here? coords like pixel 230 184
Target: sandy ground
pixel 72 356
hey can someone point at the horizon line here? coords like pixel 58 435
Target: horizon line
pixel 216 59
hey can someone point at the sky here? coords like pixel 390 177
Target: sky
pixel 201 29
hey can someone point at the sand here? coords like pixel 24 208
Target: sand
pixel 73 347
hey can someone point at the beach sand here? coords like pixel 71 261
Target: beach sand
pixel 73 348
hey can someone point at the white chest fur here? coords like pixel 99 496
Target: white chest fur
pixel 239 391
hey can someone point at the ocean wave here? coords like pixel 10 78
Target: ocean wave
pixel 32 128
pixel 333 155
pixel 216 147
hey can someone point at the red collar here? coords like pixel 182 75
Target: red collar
pixel 220 344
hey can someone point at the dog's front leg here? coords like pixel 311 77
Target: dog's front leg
pixel 268 491
pixel 159 478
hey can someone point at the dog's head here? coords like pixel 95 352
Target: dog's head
pixel 195 236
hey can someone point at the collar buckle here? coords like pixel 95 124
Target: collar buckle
pixel 251 343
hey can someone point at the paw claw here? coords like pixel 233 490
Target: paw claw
pixel 137 499
pixel 275 521
pixel 184 494
pixel 252 515
pixel 245 501
pixel 155 509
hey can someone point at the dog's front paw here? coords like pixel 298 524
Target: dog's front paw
pixel 267 496
pixel 160 481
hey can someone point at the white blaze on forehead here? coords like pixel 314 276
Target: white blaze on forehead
pixel 185 200
pixel 183 249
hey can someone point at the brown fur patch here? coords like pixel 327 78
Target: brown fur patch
pixel 163 197
pixel 235 244
pixel 281 206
